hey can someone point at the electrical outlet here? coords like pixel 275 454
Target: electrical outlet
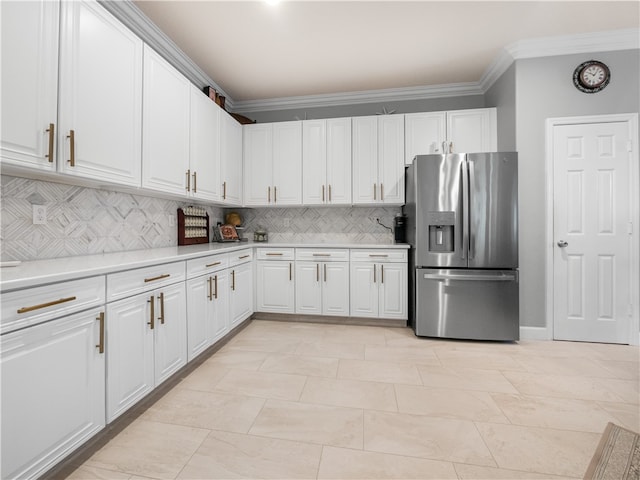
pixel 39 214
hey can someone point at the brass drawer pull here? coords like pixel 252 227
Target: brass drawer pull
pixel 275 194
pixel 45 305
pixel 290 271
pixel 374 273
pixel 329 192
pixel 384 255
pixel 321 254
pixel 212 264
pixel 100 345
pixel 210 294
pixel 233 280
pixel 152 312
pixel 274 254
pixel 161 317
pixel 381 192
pixel 215 292
pixel 317 272
pixel 52 135
pixel 325 272
pixel 381 273
pixel 224 190
pixel 159 277
pixel 244 256
pixel 188 187
pixel 323 193
pixel 195 188
pixel 269 194
pixel 72 147
pixel 374 191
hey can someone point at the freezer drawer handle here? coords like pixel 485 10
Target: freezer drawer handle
pixel 481 278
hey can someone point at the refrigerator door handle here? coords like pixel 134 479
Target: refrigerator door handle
pixel 470 184
pixel 465 209
pixel 500 277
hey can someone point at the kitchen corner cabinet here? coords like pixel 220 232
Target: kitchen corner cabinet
pixel 165 133
pixel 378 160
pixel 146 333
pixel 473 130
pixel 272 164
pixel 100 96
pixel 230 160
pixel 322 282
pixel 379 284
pixel 204 151
pixel 326 162
pixel 241 286
pixel 29 37
pixel 207 303
pixel 274 280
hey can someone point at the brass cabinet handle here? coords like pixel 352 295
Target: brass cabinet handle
pixel 212 264
pixel 152 313
pixel 274 254
pixel 275 194
pixel 451 147
pixel 195 187
pixel 52 135
pixel 45 305
pixel 188 187
pixel 329 192
pixel 215 292
pixel 317 272
pixel 233 280
pixel 381 273
pixel 161 317
pixel 244 256
pixel 290 272
pixel 323 193
pixel 72 147
pixel 378 255
pixel 321 254
pixel 325 272
pixel 374 273
pixel 224 190
pixel 381 192
pixel 100 345
pixel 210 294
pixel 269 194
pixel 159 277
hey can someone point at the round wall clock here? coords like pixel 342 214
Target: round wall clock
pixel 591 76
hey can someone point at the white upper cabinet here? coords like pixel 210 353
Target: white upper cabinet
pixel 165 135
pixel 204 153
pixel 230 159
pixel 458 131
pixel 378 159
pixel 326 161
pixel 29 35
pixel 100 100
pixel 273 164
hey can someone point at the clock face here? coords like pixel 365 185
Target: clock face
pixel 591 76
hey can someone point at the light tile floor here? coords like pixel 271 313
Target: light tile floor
pixel 300 400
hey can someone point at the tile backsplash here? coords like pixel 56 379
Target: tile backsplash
pixel 85 221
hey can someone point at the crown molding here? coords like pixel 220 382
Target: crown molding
pixel 131 16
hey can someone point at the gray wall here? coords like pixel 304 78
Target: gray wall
pixel 502 95
pixel 544 89
pixel 358 110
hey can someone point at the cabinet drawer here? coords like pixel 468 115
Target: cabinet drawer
pixel 323 254
pixel 241 256
pixel 30 306
pixel 381 255
pixel 275 253
pixel 209 264
pixel 124 284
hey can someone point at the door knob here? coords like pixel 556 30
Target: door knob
pixel 562 244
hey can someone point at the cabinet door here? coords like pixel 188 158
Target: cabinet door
pixel 230 159
pixel 365 160
pixel 130 352
pixel 52 392
pixel 204 152
pixel 199 313
pixel 100 96
pixel 308 288
pixel 339 161
pixel 470 131
pixel 241 296
pixel 220 305
pixel 391 159
pixel 424 133
pixel 274 287
pixel 393 290
pixel 258 146
pixel 287 163
pixel 165 135
pixel 335 289
pixel 29 93
pixel 170 347
pixel 364 290
pixel 314 162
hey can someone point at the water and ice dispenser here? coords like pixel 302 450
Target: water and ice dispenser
pixel 441 231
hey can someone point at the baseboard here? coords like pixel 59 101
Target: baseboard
pixel 534 333
pixel 291 317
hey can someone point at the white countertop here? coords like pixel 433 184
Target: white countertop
pixel 41 272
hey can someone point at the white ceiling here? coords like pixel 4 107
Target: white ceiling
pixel 257 51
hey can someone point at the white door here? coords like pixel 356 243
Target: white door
pixel 220 304
pixel 287 163
pixel 230 159
pixel 199 321
pixel 365 160
pixel 204 152
pixel 241 296
pixel 274 286
pixel 335 289
pixel 391 159
pixel 592 242
pixel 314 162
pixel 424 133
pixel 258 163
pixel 364 290
pixel 338 161
pixel 471 131
pixel 393 290
pixel 308 288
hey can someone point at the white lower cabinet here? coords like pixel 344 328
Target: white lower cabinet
pixel 322 281
pixel 146 337
pixel 379 284
pixel 241 287
pixel 274 280
pixel 53 384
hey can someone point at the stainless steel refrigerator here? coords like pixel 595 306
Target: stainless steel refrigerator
pixel 462 224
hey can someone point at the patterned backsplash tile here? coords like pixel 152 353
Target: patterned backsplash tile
pixel 84 221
